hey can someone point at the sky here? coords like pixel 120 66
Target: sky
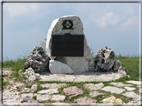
pixel 117 25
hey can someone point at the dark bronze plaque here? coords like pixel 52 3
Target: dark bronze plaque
pixel 67 45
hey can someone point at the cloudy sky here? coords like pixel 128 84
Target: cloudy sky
pixel 25 25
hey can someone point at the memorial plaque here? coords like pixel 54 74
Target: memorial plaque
pixel 67 45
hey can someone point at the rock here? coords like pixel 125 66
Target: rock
pixel 37 60
pixel 30 75
pixel 132 95
pixel 93 86
pixel 120 84
pixel 57 67
pixel 95 94
pixel 53 86
pixel 118 101
pixel 26 97
pixel 117 64
pixel 42 98
pixel 113 89
pixel 85 100
pixel 33 88
pixel 78 64
pixel 48 91
pixel 104 61
pixel 134 82
pixel 73 91
pixel 57 98
pixel 129 88
pixel 109 100
pixel 121 71
pixel 114 100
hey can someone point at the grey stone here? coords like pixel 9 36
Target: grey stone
pixel 122 72
pixel 33 88
pixel 134 82
pixel 58 98
pixel 132 95
pixel 77 64
pixel 37 60
pixel 104 61
pixel 95 94
pixel 85 100
pixel 129 88
pixel 93 86
pixel 57 67
pixel 112 89
pixel 26 97
pixel 42 98
pixel 53 85
pixel 48 91
pixel 120 84
pixel 30 75
pixel 73 91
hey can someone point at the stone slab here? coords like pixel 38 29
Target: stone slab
pixel 53 86
pixel 129 88
pixel 134 82
pixel 73 91
pixel 58 98
pixel 85 100
pixel 132 95
pixel 120 84
pixel 112 89
pixel 92 86
pixel 48 91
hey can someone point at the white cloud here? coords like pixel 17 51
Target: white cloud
pixel 20 9
pixel 107 19
pixel 130 22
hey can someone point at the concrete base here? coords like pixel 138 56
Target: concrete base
pixel 85 77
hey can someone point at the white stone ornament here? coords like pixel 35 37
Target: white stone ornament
pixel 57 67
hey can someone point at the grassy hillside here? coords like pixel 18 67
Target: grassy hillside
pixel 131 65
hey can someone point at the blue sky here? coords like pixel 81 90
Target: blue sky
pixel 116 25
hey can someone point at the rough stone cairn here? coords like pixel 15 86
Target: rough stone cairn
pixel 77 64
pixel 104 61
pixel 37 60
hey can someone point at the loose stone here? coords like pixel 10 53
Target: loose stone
pixel 113 100
pixel 26 97
pixel 33 88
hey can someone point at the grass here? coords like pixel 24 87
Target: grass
pixel 131 65
pixel 15 66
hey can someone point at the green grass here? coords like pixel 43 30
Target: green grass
pixel 131 65
pixel 15 66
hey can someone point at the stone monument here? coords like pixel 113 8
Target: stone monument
pixel 67 47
